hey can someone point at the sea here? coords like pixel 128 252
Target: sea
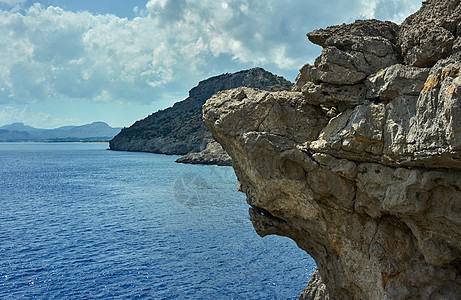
pixel 80 222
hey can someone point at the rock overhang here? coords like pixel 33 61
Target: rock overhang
pixel 361 163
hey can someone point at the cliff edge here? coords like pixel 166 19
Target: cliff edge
pixel 180 130
pixel 361 163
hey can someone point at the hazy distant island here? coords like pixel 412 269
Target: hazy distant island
pixel 94 132
pixel 179 130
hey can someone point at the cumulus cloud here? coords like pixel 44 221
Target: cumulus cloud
pixel 48 52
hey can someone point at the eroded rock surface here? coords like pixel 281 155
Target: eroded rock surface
pixel 315 290
pixel 361 163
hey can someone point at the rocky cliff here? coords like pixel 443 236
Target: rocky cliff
pixel 180 129
pixel 361 163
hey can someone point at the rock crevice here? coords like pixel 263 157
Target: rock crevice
pixel 361 163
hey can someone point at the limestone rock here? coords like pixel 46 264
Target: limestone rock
pixel 361 163
pixel 335 66
pixel 429 34
pixel 315 290
pixel 435 130
pixel 423 46
pixel 457 45
pixel 345 36
pixel 395 81
pixel 213 154
pixel 333 95
pixel 351 52
pixel 441 13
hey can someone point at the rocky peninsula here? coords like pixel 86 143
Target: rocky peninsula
pixel 361 163
pixel 179 130
pixel 213 154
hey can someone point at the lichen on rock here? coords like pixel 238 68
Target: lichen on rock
pixel 361 163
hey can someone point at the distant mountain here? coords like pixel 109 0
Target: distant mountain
pixel 180 129
pixel 20 127
pixel 14 135
pixel 97 131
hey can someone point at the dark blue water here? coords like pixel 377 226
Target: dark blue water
pixel 77 221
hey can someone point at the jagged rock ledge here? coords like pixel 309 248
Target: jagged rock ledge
pixel 361 163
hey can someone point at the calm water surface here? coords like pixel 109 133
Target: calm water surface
pixel 77 221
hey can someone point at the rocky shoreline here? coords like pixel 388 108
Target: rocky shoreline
pixel 213 154
pixel 361 163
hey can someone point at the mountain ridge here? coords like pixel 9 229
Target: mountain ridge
pixel 19 132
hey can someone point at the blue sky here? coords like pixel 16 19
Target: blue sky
pixel 71 62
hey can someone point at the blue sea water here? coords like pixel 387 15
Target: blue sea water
pixel 77 221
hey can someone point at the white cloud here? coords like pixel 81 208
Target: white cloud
pixel 392 10
pixel 396 10
pixel 12 2
pixel 13 5
pixel 11 114
pixel 368 8
pixel 53 53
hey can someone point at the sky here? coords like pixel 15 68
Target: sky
pixel 73 62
